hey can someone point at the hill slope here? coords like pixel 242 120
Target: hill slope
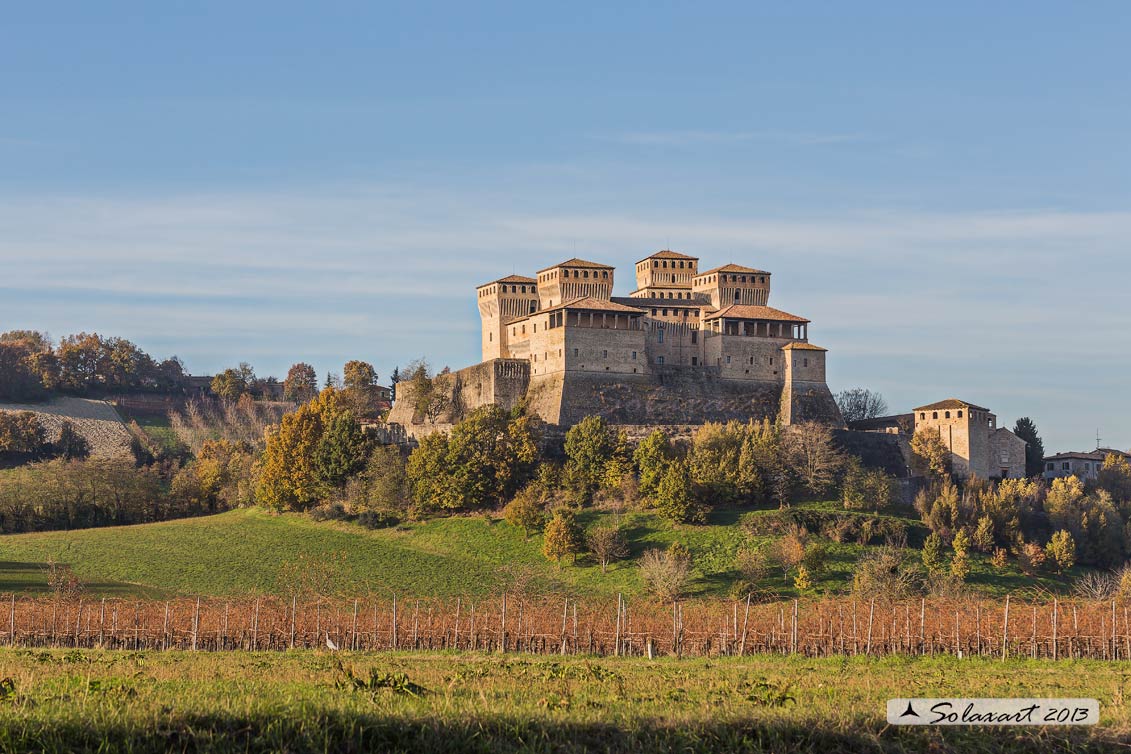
pixel 250 550
pixel 97 421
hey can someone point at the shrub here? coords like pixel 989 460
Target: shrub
pixel 999 558
pixel 528 510
pixel 1031 558
pixel 960 563
pixel 377 519
pixel 881 573
pixel 329 512
pixel 802 582
pixel 1061 550
pixel 665 574
pixel 932 555
pixel 674 498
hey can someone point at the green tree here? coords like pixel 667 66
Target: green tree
pixel 1061 550
pixel 485 460
pixel 960 562
pixel 342 449
pixel 1026 429
pixel 562 536
pixel 984 534
pixel 652 457
pixel 589 445
pixel 230 384
pixel 932 554
pixel 674 499
pixel 359 380
pixel 301 384
pixel 1115 477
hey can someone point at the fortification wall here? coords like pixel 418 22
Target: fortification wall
pixel 500 381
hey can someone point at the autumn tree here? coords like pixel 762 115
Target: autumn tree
pixel 930 455
pixel 960 561
pixel 860 403
pixel 932 554
pixel 528 510
pixel 1026 429
pixel 22 432
pixel 1061 551
pixel 562 536
pixel 301 383
pixel 1115 477
pixel 665 573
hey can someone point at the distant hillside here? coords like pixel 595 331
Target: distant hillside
pixel 97 421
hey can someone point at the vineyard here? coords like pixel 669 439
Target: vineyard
pixel 700 628
pixel 97 421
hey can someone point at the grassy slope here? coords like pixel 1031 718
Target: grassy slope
pixel 144 701
pixel 246 550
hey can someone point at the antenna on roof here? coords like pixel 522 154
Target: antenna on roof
pixel 1097 439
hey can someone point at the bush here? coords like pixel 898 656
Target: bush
pixel 528 510
pixel 562 537
pixel 329 512
pixel 882 574
pixel 377 519
pixel 665 574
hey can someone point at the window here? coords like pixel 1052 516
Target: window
pixel 604 353
pixel 653 312
pixel 634 355
pixel 805 362
pixel 947 415
pixel 694 337
pixel 959 413
pixel 575 352
pixel 491 337
pixel 728 359
pixel 694 361
pixel 934 414
pixel 660 360
pixel 660 337
pixel 1050 466
pixel 923 415
pixel 1066 466
pixel 665 312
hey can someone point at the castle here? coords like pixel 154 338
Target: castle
pixel 685 347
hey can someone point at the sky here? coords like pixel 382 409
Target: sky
pixel 944 189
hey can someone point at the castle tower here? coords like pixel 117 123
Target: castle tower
pixel 665 275
pixel 733 284
pixel 574 279
pixel 500 302
pixel 965 429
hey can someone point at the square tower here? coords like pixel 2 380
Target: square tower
pixel 665 275
pixel 500 302
pixel 574 279
pixel 733 284
pixel 965 429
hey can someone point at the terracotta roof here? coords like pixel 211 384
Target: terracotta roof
pixel 510 279
pixel 577 263
pixel 591 304
pixel 799 346
pixel 951 403
pixel 742 311
pixel 668 254
pixel 672 303
pixel 733 268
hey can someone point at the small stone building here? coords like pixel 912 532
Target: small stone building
pixel 977 445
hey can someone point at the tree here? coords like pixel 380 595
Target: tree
pixel 231 384
pixel 984 534
pixel 301 384
pixel 290 479
pixel 21 432
pixel 607 543
pixel 1115 477
pixel 674 498
pixel 19 381
pixel 1061 550
pixel 1026 429
pixel 960 562
pixel 865 489
pixel 1030 557
pixel 71 445
pixel 562 536
pixel 802 582
pixel 860 403
pixel 342 449
pixel 528 510
pixel 665 573
pixel 812 456
pixel 359 380
pixel 589 445
pixel 930 455
pixel 485 460
pixel 932 555
pixel 652 457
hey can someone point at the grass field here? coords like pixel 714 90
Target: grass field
pixel 248 550
pixel 59 701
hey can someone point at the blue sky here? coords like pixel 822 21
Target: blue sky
pixel 943 189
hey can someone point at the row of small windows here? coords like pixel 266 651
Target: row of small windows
pixel 663 264
pixel 503 289
pixel 675 312
pixel 733 279
pixel 1067 466
pixel 935 414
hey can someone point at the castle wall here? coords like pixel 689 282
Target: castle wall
pixel 680 345
pixel 605 351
